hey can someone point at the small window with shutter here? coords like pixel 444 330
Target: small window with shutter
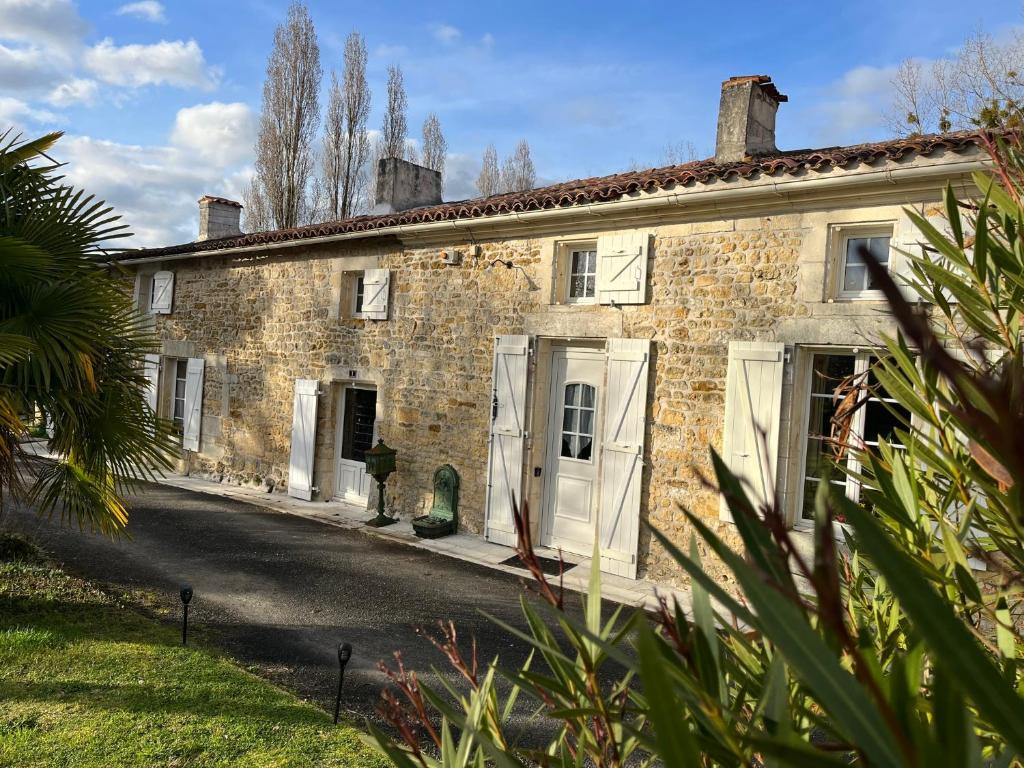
pixel 162 294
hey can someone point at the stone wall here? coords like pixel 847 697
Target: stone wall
pixel 263 322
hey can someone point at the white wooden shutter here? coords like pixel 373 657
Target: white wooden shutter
pixel 163 293
pixel 376 286
pixel 151 370
pixel 622 455
pixel 753 400
pixel 508 435
pixel 193 403
pixel 622 268
pixel 300 465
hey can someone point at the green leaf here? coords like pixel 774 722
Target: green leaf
pixel 811 659
pixel 676 745
pixel 940 628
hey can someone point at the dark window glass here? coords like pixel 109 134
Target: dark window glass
pixel 357 430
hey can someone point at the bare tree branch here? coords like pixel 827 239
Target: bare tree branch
pixel 489 181
pixel 517 172
pixel 435 147
pixel 291 115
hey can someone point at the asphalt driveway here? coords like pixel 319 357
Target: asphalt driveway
pixel 280 592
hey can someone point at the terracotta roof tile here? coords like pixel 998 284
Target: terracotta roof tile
pixel 600 189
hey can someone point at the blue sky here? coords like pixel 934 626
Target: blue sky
pixel 160 100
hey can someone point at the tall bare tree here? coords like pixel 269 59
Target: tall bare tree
pixel 255 208
pixel 435 147
pixel 346 141
pixel 288 125
pixel 980 85
pixel 394 129
pixel 489 180
pixel 517 172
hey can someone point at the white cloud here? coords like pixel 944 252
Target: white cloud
pixel 445 33
pixel 148 10
pixel 41 22
pixel 169 62
pixel 28 69
pixel 854 108
pixel 155 188
pixel 16 113
pixel 75 91
pixel 460 174
pixel 219 133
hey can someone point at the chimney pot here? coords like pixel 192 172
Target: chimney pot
pixel 218 217
pixel 402 185
pixel 746 118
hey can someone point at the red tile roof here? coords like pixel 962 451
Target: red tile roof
pixel 599 189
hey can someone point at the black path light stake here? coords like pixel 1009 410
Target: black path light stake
pixel 186 597
pixel 344 654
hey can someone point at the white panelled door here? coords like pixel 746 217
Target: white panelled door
pixel 508 434
pixel 151 370
pixel 192 419
pixel 753 402
pixel 622 454
pixel 300 465
pixel 573 449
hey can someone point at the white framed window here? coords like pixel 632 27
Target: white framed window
pixel 582 285
pixel 178 393
pixel 825 446
pixel 576 265
pixel 358 294
pixel 851 277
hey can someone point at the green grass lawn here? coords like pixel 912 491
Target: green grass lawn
pixel 85 681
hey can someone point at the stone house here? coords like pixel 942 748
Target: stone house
pixel 580 346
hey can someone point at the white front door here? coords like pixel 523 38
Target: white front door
pixel 573 448
pixel 357 411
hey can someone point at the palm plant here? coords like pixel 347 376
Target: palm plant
pixel 72 347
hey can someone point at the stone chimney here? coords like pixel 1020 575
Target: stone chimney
pixel 402 185
pixel 746 118
pixel 218 217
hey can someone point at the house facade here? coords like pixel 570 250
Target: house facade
pixel 580 346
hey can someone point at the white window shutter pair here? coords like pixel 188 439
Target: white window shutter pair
pixel 753 404
pixel 622 452
pixel 193 403
pixel 376 287
pixel 151 370
pixel 300 463
pixel 622 268
pixel 162 293
pixel 508 436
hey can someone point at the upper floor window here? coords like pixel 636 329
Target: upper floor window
pixel 358 293
pixel 582 274
pixel 850 242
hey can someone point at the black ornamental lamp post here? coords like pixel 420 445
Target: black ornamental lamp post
pixel 380 462
pixel 344 654
pixel 186 598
